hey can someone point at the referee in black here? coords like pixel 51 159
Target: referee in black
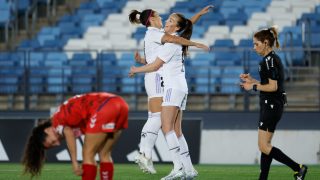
pixel 272 100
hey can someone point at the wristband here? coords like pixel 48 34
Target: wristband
pixel 254 87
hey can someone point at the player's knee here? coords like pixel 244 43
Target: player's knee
pixel 88 154
pixel 264 148
pixel 178 132
pixel 105 156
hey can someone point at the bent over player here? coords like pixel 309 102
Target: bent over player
pixel 99 116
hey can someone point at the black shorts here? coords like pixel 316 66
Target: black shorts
pixel 271 110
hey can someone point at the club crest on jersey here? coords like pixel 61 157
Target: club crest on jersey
pixel 93 120
pixel 108 126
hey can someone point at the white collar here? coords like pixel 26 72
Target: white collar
pixel 154 28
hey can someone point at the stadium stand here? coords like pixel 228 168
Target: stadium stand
pixel 91 49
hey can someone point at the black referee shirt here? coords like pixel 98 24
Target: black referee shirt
pixel 271 67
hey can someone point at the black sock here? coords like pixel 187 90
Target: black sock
pixel 265 162
pixel 278 155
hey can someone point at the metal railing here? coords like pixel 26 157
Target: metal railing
pixel 28 83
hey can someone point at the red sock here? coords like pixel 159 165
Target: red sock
pixel 106 171
pixel 89 172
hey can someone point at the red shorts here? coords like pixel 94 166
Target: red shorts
pixel 110 117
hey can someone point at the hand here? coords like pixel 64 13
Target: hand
pixel 77 170
pixel 202 46
pixel 132 71
pixel 137 57
pixel 247 86
pixel 205 10
pixel 247 78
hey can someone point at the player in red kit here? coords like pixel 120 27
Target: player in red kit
pixel 99 116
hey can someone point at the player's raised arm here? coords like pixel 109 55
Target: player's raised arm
pixel 203 11
pixel 167 38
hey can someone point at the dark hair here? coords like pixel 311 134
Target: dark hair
pixel 270 34
pixel 185 30
pixel 144 17
pixel 34 153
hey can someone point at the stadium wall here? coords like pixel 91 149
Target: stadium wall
pixel 213 137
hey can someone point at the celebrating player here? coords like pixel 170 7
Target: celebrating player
pixel 101 117
pixel 171 58
pixel 154 38
pixel 272 100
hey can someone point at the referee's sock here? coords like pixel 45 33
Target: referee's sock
pixel 278 155
pixel 265 162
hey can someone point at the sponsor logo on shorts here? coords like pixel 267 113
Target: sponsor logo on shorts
pixel 108 126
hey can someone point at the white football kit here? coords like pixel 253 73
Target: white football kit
pixel 173 72
pixel 152 44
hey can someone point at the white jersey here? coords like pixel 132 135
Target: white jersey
pixel 175 83
pixel 173 69
pixel 152 45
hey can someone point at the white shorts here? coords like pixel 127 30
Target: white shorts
pixel 153 84
pixel 174 97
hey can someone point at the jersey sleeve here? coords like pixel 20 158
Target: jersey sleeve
pixel 273 69
pixel 167 51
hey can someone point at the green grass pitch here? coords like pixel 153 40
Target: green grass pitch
pixel 63 171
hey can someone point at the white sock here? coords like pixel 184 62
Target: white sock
pixel 174 149
pixel 143 135
pixel 149 134
pixel 184 154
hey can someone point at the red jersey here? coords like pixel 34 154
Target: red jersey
pixel 78 111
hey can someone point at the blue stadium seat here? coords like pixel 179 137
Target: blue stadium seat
pixel 81 59
pixel 108 59
pixel 214 19
pixel 37 79
pixel 10 79
pixel 230 80
pixel 223 43
pixel 238 18
pixel 58 80
pixel 227 59
pixel 83 79
pixel 56 59
pixel 215 79
pixel 246 43
pixel 111 78
pixel 203 59
pixel 201 79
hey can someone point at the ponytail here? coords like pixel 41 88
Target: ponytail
pixel 34 153
pixel 133 17
pixel 270 34
pixel 144 17
pixel 185 30
pixel 274 30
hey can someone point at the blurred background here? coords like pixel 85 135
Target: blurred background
pixel 51 50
